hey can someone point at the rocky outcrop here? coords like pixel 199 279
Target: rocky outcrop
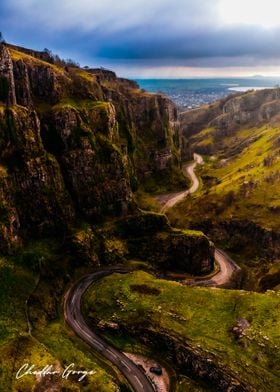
pixel 240 327
pixel 228 115
pixel 195 362
pixel 7 82
pixel 151 126
pixel 74 149
pixel 243 234
pixel 149 237
pixel 75 143
pixel 95 170
pixel 188 359
pixel 36 189
pixel 10 224
pixel 193 121
pixel 22 87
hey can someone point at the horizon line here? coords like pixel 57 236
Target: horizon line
pixel 202 77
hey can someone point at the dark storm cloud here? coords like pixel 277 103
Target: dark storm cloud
pixel 178 32
pixel 215 43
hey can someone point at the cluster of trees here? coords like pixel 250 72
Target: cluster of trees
pixel 65 63
pixel 61 62
pixel 54 58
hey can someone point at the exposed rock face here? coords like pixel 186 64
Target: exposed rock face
pixel 178 251
pixel 149 237
pixel 150 123
pixel 242 234
pixel 251 108
pixel 190 360
pixel 240 328
pixel 36 188
pixel 46 83
pixel 193 361
pixel 22 87
pixel 226 116
pixel 95 170
pixel 10 224
pixel 7 77
pixel 78 144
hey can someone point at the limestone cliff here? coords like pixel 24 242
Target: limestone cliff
pixel 149 237
pixel 75 143
pixel 239 204
pixel 225 117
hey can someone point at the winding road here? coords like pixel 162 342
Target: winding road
pixel 227 267
pixel 73 316
pixel 171 199
pixel 72 304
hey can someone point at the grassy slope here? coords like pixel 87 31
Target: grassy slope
pixel 17 55
pixel 203 317
pixel 50 340
pixel 240 183
pixel 50 343
pixel 244 186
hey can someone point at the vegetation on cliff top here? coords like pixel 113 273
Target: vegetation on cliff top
pixel 203 318
pixel 18 55
pixel 241 186
pixel 240 137
pixel 85 135
pixel 50 342
pixel 238 205
pixel 97 139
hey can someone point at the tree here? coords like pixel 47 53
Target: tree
pixel 48 52
pixel 72 63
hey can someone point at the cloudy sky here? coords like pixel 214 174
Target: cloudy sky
pixel 152 38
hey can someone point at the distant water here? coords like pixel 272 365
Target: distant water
pixel 193 93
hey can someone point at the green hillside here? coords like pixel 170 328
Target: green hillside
pixel 49 341
pixel 201 319
pixel 241 184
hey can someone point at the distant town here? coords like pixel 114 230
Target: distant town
pixel 192 93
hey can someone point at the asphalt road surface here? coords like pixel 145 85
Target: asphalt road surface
pixel 227 268
pixel 171 199
pixel 226 265
pixel 72 314
pixel 72 306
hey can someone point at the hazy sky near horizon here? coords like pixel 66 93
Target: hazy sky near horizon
pixel 152 38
